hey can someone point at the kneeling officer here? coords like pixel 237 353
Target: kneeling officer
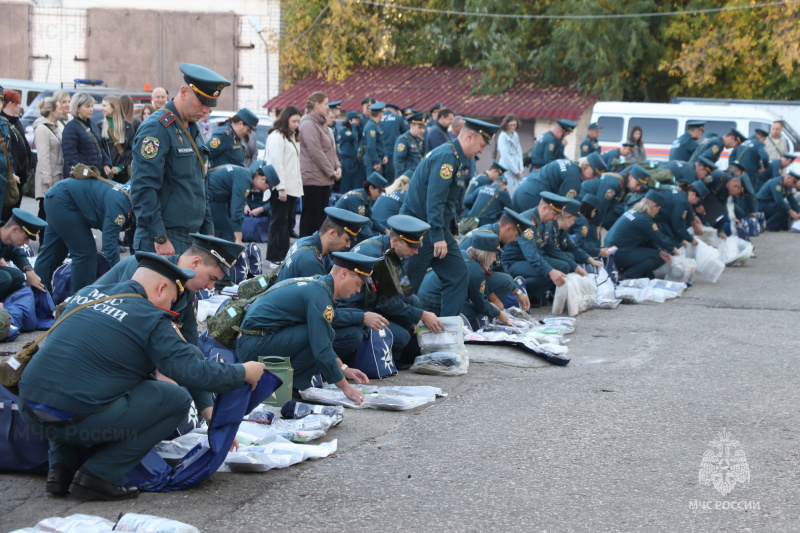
pixel 88 385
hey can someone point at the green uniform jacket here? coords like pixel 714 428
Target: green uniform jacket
pixel 589 146
pixel 168 187
pixel 373 141
pixel 13 254
pixel 710 148
pixel 773 196
pixel 682 148
pixel 225 147
pixel 440 179
pixel 530 246
pixel 387 205
pixel 585 234
pixel 408 152
pixel 547 149
pixel 489 202
pixel 356 201
pixel 572 254
pixel 230 185
pixel 635 229
pixel 185 305
pixel 476 289
pixel 103 351
pixel 304 301
pixel 675 215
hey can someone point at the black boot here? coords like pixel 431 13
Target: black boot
pixel 87 486
pixel 58 479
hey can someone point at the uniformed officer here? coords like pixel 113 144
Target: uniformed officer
pixel 500 284
pixel 590 143
pixel 392 125
pixel 684 146
pixel 641 245
pixel 374 156
pixel 335 108
pixel 210 258
pixel 721 186
pixel 711 148
pixel 77 206
pixel 389 203
pixel 391 295
pixel 752 155
pixel 634 180
pixel 348 138
pixel 568 251
pixel 360 201
pixel 168 186
pixel 228 189
pixel 294 319
pixel 613 158
pixel 434 115
pixel 490 201
pixel 482 179
pixel 732 141
pixel 225 145
pixel 778 166
pixel 744 204
pixel 776 200
pixel 6 157
pixel 478 258
pixel 561 177
pixel 586 230
pixel 683 171
pixel 88 392
pixel 408 150
pixel 363 117
pixel 675 216
pixel 549 146
pixel 526 257
pixel 703 167
pixel 18 230
pixel 433 197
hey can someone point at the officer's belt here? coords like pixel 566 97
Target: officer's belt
pixel 37 414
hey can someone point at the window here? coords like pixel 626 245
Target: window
pixel 719 127
pixel 759 125
pixel 656 130
pixel 612 129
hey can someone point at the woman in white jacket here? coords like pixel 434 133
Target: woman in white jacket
pixel 510 151
pixel 283 153
pixel 47 138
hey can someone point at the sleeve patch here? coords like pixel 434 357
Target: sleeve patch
pixel 214 142
pixel 446 171
pixel 150 147
pixel 120 220
pixel 401 147
pixel 328 313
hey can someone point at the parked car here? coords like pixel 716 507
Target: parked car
pixel 264 124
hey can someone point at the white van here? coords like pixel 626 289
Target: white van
pixel 27 89
pixel 663 123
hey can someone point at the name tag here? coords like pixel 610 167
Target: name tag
pixel 184 151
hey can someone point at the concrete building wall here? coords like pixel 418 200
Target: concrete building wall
pixel 15 42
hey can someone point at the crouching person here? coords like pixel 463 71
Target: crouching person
pixel 87 389
pixel 294 318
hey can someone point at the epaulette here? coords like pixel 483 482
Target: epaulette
pixel 167 119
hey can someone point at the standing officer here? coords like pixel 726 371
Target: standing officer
pixel 433 197
pixel 294 319
pixel 88 391
pixel 711 148
pixel 374 156
pixel 360 202
pixel 550 146
pixel 228 189
pixel 393 126
pixel 408 150
pixel 390 296
pixel 776 200
pixel 590 144
pixel 209 258
pixel 168 186
pixel 19 230
pixel 225 145
pixel 684 146
pixel 348 139
pixel 78 206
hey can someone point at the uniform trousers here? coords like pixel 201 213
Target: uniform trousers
pixel 122 434
pixel 315 200
pixel 67 232
pixel 638 262
pixel 223 228
pixel 11 279
pixel 352 175
pixel 777 218
pixel 451 269
pixel 537 284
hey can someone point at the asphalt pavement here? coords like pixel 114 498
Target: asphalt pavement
pixel 615 441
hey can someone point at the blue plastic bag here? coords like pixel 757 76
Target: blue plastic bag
pixel 22 306
pixel 45 309
pixel 216 351
pixel 63 276
pixel 374 355
pixel 253 259
pixel 21 450
pixel 255 229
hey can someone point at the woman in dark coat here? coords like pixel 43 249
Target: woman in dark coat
pixel 81 141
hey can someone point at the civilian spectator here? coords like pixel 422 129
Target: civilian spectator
pixel 117 135
pixel 510 152
pixel 638 154
pixel 47 137
pixel 80 140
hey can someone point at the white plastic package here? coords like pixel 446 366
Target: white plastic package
pixel 441 364
pixel 276 452
pixel 451 340
pixel 76 523
pixel 142 523
pixel 382 398
pixel 578 294
pixel 708 261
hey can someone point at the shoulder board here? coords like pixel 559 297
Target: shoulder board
pixel 167 118
pixel 618 176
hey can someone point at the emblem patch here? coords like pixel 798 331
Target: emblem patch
pixel 714 149
pixel 214 142
pixel 120 220
pixel 609 194
pixel 585 231
pixel 708 179
pixel 177 329
pixel 683 215
pixel 446 171
pixel 150 147
pixel 328 313
pixel 372 133
pixel 362 210
pixel 778 188
pixel 401 147
pixel 483 286
pixel 655 226
pixel 528 234
pixel 571 193
pixel 551 147
pixel 247 193
pixel 584 148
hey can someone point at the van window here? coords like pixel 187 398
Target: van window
pixel 720 127
pixel 656 130
pixel 759 125
pixel 612 129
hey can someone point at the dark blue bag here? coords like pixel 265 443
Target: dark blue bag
pixel 255 229
pixel 333 199
pixel 253 259
pixel 45 309
pixel 22 307
pixel 63 276
pixel 611 267
pixel 216 351
pixel 374 355
pixel 21 450
pixel 153 474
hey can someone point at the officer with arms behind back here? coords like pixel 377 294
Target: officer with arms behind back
pixel 168 187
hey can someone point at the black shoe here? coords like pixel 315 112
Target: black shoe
pixel 58 479
pixel 293 234
pixel 87 486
